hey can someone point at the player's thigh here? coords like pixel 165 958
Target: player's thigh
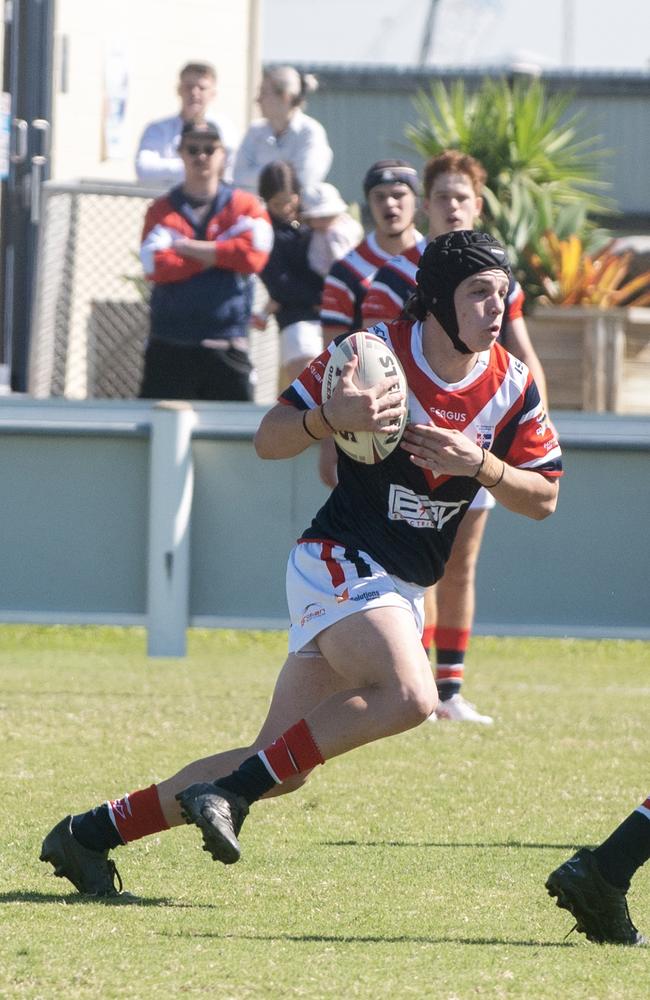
pixel 379 647
pixel 303 683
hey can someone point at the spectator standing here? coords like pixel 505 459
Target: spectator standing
pixel 284 132
pixel 453 183
pixel 200 244
pixel 157 162
pixel 293 286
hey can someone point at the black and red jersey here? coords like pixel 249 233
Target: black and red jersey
pixel 403 516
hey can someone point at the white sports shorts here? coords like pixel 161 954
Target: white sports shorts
pixel 301 340
pixel 482 501
pixel 326 583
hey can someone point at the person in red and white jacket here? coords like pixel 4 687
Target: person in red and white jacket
pixel 201 242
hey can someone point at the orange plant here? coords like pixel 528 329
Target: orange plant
pixel 570 277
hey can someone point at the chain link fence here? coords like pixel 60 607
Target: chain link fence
pixel 91 317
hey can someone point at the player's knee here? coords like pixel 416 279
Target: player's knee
pixel 419 701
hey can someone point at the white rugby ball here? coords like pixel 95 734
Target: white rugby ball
pixel 376 362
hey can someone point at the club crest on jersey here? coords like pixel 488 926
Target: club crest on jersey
pixel 484 435
pixel 421 511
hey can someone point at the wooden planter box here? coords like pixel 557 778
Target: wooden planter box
pixel 594 359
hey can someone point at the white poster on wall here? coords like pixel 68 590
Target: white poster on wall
pixel 116 90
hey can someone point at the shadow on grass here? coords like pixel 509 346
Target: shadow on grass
pixel 76 899
pixel 371 939
pixel 432 843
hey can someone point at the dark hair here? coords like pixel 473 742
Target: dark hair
pixel 277 177
pixel 200 68
pixel 452 161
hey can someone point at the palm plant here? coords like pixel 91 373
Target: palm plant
pixel 541 174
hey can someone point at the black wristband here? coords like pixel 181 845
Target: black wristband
pixel 478 471
pixel 322 410
pixel 306 428
pixel 503 472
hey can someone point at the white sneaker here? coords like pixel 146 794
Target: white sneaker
pixel 457 709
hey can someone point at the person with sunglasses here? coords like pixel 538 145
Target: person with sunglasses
pixel 201 242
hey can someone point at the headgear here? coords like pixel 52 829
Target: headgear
pixel 391 172
pixel 447 261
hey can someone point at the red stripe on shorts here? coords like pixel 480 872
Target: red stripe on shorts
pixel 336 573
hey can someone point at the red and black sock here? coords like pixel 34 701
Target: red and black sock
pixel 293 752
pixel 119 821
pixel 451 646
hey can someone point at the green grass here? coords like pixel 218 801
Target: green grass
pixel 414 867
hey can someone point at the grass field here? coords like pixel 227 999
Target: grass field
pixel 414 867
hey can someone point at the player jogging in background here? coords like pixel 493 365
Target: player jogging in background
pixel 452 187
pixel 356 670
pixel 391 188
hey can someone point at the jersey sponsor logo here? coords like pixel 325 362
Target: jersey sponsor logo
pixel 310 612
pixel 484 435
pixel 455 415
pixel 421 511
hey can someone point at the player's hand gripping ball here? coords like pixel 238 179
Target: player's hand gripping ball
pixel 376 362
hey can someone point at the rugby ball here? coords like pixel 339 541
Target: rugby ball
pixel 376 362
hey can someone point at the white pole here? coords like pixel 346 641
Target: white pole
pixel 171 482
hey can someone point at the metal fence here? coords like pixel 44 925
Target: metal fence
pixel 90 320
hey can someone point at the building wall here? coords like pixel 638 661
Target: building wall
pixel 148 41
pixel 365 112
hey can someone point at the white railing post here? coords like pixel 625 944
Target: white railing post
pixel 171 482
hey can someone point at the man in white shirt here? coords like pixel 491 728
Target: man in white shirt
pixel 157 162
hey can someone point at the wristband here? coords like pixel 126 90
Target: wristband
pixel 322 410
pixel 306 428
pixel 478 471
pixel 503 472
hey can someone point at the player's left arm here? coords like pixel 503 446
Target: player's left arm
pixel 448 452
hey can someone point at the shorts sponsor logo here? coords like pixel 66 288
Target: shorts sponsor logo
pixel 367 595
pixel 421 511
pixel 310 612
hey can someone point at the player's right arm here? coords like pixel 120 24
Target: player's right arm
pixel 298 419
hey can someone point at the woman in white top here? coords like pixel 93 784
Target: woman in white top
pixel 284 133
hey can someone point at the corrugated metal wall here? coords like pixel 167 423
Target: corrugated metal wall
pixel 365 112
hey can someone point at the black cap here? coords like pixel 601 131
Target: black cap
pixel 447 261
pixel 391 172
pixel 202 130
